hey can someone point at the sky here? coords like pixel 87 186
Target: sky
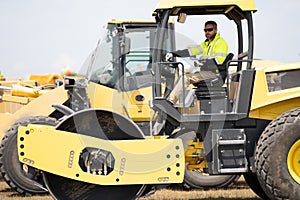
pixel 43 36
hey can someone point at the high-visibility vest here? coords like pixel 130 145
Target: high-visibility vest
pixel 217 48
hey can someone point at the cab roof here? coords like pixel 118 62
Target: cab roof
pixel 205 6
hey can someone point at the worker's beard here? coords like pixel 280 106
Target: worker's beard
pixel 211 38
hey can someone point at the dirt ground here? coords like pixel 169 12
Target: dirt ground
pixel 239 191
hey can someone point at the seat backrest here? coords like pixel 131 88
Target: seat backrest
pixel 223 67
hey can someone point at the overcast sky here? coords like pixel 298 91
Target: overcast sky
pixel 43 36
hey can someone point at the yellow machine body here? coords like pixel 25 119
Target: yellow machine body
pixel 194 156
pixel 45 79
pixel 149 161
pixel 125 103
pixel 267 103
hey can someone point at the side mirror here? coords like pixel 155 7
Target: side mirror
pixel 181 17
pixel 125 46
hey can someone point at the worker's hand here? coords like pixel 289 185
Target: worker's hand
pixel 198 63
pixel 169 57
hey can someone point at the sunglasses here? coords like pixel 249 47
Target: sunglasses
pixel 208 29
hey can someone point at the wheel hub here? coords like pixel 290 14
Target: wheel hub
pixel 294 161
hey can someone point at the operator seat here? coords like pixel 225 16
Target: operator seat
pixel 211 93
pixel 222 68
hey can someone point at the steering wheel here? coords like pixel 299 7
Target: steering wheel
pixel 102 77
pixel 127 71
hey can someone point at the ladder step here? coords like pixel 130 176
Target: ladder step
pixel 231 142
pixel 233 170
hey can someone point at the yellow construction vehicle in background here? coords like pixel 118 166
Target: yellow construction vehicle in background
pixel 248 126
pixel 21 98
pixel 16 92
pixel 119 80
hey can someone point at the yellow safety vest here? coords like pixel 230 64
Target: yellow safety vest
pixel 217 48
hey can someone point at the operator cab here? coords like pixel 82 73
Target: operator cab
pixel 220 98
pixel 214 112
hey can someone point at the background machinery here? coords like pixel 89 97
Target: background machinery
pixel 249 126
pixel 120 69
pixel 16 93
pixel 21 99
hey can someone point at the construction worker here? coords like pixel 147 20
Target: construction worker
pixel 214 47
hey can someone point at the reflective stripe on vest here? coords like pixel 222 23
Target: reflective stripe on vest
pixel 212 47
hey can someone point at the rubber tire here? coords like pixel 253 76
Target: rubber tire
pixel 253 183
pixel 196 180
pixel 10 167
pixel 271 156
